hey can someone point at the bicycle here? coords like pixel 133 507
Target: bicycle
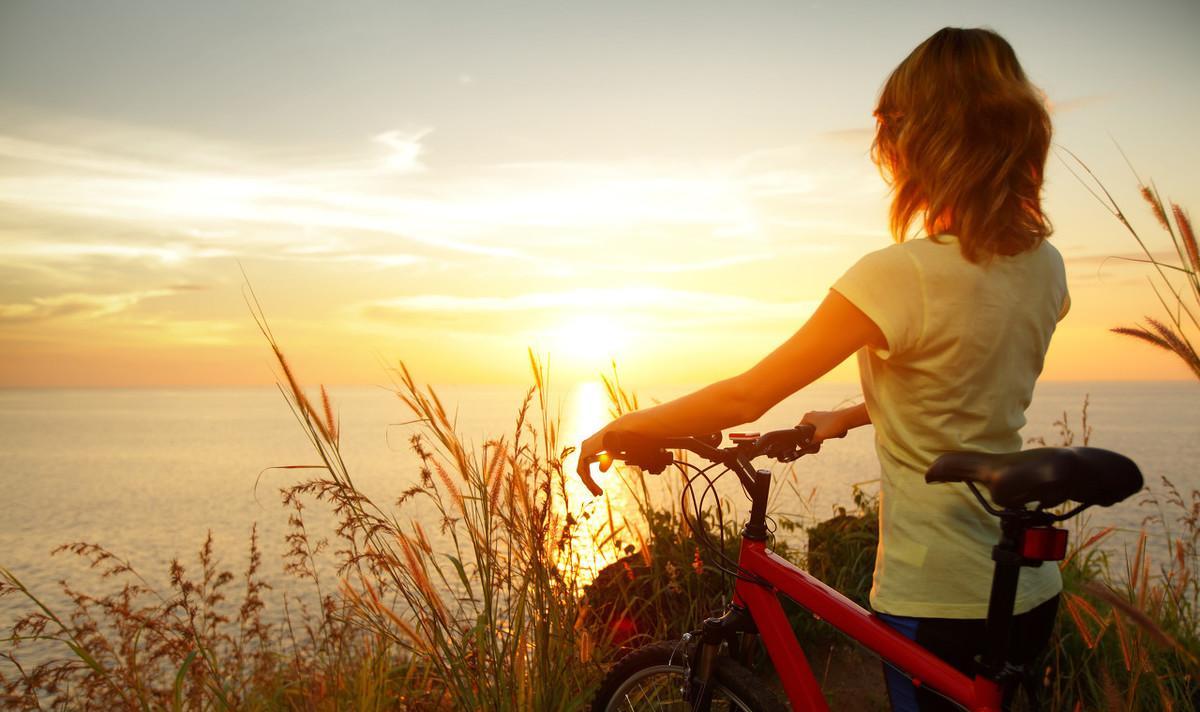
pixel 708 669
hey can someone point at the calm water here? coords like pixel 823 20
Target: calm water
pixel 147 473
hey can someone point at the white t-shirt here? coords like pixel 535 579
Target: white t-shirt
pixel 965 344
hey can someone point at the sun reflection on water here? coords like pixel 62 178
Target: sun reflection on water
pixel 601 520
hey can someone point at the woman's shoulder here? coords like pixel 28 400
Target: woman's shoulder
pixel 945 246
pixel 1050 253
pixel 927 247
pixel 894 260
pixel 942 255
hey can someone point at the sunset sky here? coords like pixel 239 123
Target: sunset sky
pixel 673 185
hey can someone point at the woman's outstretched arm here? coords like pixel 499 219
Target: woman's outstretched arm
pixel 836 330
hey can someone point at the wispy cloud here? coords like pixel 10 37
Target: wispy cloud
pixel 167 253
pixel 524 211
pixel 857 136
pixel 406 149
pixel 80 305
pixel 647 305
pixel 1128 259
pixel 685 265
pixel 1075 103
pixel 92 219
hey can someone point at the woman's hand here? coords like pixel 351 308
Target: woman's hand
pixel 592 450
pixel 836 423
pixel 829 424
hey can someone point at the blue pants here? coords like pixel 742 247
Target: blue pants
pixel 958 642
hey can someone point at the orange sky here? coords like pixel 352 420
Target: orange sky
pixel 671 188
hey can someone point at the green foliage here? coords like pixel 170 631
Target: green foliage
pixel 668 587
pixel 1128 632
pixel 841 550
pixel 1128 636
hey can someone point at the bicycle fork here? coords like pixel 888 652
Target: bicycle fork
pixel 736 631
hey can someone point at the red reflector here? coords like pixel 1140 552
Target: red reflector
pixel 741 437
pixel 1044 544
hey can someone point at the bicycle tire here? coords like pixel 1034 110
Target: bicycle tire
pixel 734 686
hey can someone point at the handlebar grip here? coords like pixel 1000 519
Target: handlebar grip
pixel 787 445
pixel 638 451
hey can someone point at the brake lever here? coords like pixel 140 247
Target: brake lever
pixel 796 453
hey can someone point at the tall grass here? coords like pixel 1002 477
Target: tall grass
pixel 483 612
pixel 490 616
pixel 1127 635
pixel 475 590
pixel 1128 630
pixel 1175 281
pixel 487 608
pixel 192 646
pixel 1130 638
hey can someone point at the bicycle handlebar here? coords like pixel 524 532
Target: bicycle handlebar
pixel 653 454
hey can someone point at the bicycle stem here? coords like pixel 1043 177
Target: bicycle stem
pixel 760 489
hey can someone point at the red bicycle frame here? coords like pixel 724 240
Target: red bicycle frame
pixel 1027 539
pixel 803 691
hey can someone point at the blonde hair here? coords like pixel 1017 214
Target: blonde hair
pixel 962 136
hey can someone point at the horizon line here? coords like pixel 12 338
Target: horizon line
pixel 509 384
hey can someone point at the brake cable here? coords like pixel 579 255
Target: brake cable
pixel 696 524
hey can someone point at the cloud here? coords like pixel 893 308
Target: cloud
pixel 169 253
pixel 337 252
pixel 1128 259
pixel 858 136
pixel 828 170
pixel 222 206
pixel 1076 103
pixel 80 305
pixel 406 149
pixel 86 201
pixel 685 266
pixel 174 331
pixel 649 306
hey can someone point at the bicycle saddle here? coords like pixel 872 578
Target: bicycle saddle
pixel 1047 475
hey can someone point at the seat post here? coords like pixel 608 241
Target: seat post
pixel 1007 555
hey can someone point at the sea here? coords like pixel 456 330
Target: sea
pixel 149 474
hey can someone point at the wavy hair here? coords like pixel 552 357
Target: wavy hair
pixel 961 137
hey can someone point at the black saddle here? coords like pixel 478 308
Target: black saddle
pixel 1047 475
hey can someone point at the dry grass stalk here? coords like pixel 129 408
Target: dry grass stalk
pixel 1180 302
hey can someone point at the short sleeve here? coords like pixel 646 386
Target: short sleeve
pixel 886 285
pixel 1059 279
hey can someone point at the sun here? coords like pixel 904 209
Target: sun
pixel 590 339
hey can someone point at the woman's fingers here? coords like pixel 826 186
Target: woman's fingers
pixel 590 451
pixel 586 476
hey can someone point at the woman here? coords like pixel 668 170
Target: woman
pixel 950 330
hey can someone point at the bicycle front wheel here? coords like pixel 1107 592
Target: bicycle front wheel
pixel 652 678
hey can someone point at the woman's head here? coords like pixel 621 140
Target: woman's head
pixel 962 137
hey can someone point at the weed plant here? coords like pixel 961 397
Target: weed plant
pixel 1128 630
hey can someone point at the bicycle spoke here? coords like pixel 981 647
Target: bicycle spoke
pixel 662 691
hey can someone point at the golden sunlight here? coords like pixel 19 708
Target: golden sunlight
pixel 588 340
pixel 586 412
